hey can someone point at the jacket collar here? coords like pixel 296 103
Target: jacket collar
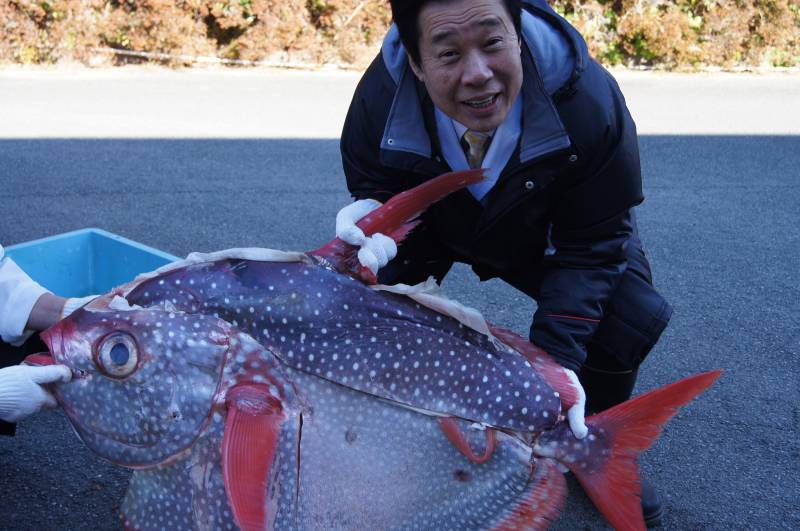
pixel 550 46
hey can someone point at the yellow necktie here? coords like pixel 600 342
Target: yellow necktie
pixel 475 148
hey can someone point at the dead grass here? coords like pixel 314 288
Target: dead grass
pixel 669 34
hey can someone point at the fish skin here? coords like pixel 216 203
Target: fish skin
pixel 384 344
pixel 158 412
pixel 288 327
pixel 258 341
pixel 328 311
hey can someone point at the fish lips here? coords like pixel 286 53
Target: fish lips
pixel 40 359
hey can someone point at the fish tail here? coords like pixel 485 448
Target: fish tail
pixel 604 462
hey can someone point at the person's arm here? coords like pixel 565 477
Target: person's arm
pixel 19 295
pixel 48 310
pixel 369 180
pixel 578 280
pixel 590 227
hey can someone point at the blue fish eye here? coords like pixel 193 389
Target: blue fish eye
pixel 119 354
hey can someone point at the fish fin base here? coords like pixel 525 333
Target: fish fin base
pixel 252 433
pixel 606 464
pixel 453 433
pixel 542 502
pixel 396 218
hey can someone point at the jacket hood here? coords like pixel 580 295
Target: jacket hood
pixel 554 55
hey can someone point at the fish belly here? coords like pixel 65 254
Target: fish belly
pixel 365 463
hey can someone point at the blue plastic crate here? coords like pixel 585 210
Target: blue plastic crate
pixel 85 262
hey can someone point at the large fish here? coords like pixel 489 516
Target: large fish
pixel 261 389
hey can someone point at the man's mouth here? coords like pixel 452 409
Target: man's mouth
pixel 482 103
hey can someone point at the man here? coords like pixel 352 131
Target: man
pixel 511 88
pixel 26 307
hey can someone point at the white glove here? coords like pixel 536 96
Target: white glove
pixel 73 304
pixel 21 393
pixel 575 414
pixel 375 251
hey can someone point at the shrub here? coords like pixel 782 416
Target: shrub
pixel 654 33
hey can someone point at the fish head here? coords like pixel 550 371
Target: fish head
pixel 145 380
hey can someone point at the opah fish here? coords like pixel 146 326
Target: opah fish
pixel 268 390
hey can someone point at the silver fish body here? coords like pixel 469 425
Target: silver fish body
pixel 362 376
pixel 266 390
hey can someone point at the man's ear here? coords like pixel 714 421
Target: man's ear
pixel 415 68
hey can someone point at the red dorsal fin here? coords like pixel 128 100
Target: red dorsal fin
pixel 395 219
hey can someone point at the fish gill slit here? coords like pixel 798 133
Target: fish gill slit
pixel 297 468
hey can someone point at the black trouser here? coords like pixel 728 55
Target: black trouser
pixel 11 355
pixel 634 318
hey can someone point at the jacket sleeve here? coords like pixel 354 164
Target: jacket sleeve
pixel 367 177
pixel 18 294
pixel 591 226
pixel 421 254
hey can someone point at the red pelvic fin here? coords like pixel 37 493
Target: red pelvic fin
pixel 541 503
pixel 252 432
pixel 456 438
pixel 552 372
pixel 607 469
pixel 395 219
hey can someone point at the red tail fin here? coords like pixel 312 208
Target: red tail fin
pixel 395 218
pixel 605 461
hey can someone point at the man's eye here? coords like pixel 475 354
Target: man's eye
pixel 494 42
pixel 448 55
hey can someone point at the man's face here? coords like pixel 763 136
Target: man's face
pixel 469 60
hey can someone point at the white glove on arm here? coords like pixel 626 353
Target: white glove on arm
pixel 22 395
pixel 375 251
pixel 73 304
pixel 575 414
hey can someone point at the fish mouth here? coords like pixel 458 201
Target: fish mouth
pixel 40 359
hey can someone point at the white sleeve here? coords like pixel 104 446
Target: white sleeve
pixel 18 294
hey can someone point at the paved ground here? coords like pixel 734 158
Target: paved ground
pixel 202 160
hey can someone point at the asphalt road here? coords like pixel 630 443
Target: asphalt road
pixel 206 160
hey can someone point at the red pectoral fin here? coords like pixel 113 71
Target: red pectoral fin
pixel 456 438
pixel 252 433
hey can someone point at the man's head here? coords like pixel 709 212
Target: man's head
pixel 467 53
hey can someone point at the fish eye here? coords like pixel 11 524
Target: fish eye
pixel 117 355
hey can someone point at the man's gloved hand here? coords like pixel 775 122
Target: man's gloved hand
pixel 375 251
pixel 72 304
pixel 22 395
pixel 575 414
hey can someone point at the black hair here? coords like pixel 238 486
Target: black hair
pixel 406 15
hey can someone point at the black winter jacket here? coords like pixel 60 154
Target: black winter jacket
pixel 556 223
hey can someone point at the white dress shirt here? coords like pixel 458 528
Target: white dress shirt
pixel 18 294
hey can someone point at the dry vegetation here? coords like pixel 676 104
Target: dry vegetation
pixel 674 34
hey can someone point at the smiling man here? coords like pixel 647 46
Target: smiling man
pixel 509 86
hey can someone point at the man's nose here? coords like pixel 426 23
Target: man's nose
pixel 477 69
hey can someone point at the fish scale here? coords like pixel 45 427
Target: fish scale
pixel 381 343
